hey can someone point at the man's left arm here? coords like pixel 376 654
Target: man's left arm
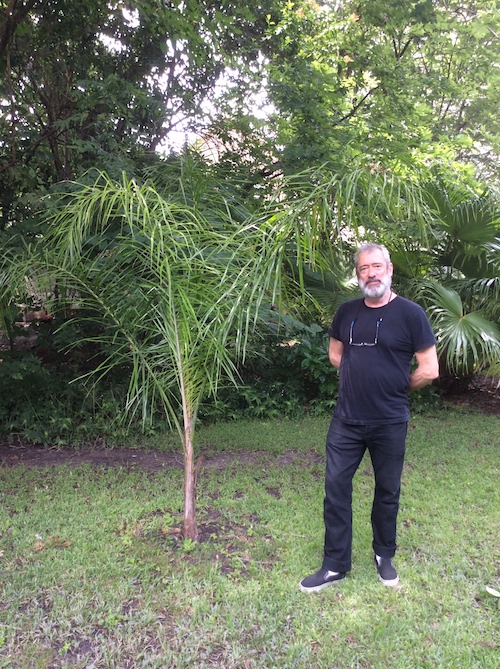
pixel 427 368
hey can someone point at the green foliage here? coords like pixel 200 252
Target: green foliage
pixel 42 403
pixel 186 276
pixel 450 266
pixel 468 342
pixel 49 404
pixel 463 296
pixel 142 267
pixel 386 92
pixel 426 400
pixel 466 230
pixel 100 85
pixel 32 402
pixel 310 354
pixel 172 284
pixel 284 377
pixel 290 379
pixel 404 85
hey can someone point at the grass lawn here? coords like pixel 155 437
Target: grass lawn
pixel 95 573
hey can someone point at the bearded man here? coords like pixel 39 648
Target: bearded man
pixel 373 342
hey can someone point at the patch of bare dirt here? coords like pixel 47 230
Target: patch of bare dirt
pixel 483 395
pixel 33 455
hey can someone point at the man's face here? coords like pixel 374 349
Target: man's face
pixel 374 273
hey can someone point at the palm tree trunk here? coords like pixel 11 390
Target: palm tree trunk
pixel 190 525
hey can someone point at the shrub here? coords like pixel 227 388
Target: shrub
pixel 43 403
pixel 285 378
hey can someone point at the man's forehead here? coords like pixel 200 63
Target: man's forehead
pixel 373 256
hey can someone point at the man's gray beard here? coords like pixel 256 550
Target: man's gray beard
pixel 375 291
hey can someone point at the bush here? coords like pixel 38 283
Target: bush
pixel 287 378
pixel 43 400
pixel 43 403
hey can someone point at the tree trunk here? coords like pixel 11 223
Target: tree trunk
pixel 190 525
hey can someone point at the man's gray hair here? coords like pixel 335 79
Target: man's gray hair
pixel 372 247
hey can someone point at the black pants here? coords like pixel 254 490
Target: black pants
pixel 345 447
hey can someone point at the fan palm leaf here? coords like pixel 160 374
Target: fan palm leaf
pixel 467 231
pixel 466 340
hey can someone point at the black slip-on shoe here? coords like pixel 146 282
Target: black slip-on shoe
pixel 321 579
pixel 386 571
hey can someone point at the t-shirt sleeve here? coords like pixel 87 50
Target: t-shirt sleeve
pixel 334 329
pixel 421 330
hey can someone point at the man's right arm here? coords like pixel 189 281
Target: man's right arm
pixel 335 351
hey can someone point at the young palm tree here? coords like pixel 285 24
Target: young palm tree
pixel 176 297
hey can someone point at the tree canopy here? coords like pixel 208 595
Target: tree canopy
pixel 407 86
pixel 403 84
pixel 95 84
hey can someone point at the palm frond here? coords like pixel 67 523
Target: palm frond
pixel 465 340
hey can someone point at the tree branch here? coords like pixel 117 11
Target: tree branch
pixel 15 13
pixel 358 105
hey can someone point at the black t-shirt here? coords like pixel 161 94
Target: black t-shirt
pixel 374 379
